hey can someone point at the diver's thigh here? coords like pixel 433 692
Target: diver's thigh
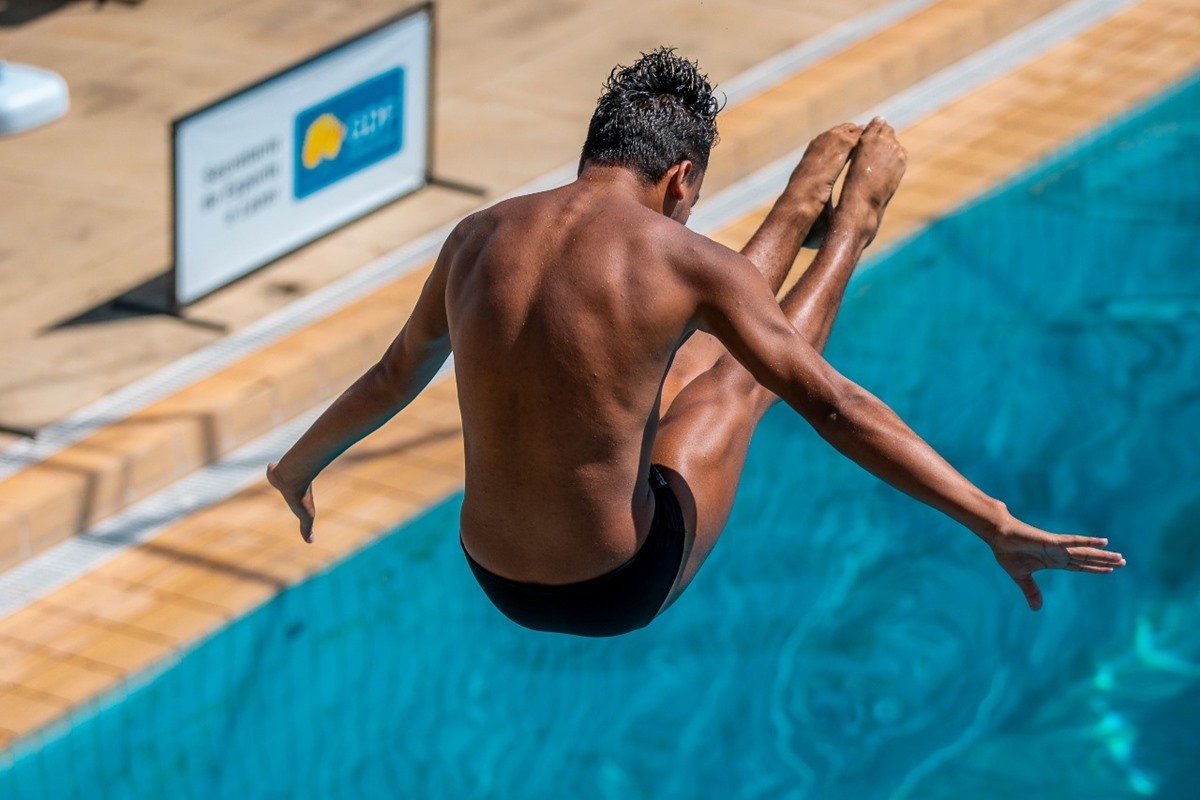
pixel 693 358
pixel 701 447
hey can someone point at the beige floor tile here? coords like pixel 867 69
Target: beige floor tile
pixel 38 624
pixel 71 681
pixel 124 650
pixel 227 589
pixel 22 711
pixel 89 596
pixel 378 507
pixel 139 564
pixel 175 622
pixel 18 662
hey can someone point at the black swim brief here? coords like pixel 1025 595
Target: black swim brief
pixel 621 600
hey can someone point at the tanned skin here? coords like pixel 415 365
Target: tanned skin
pixel 594 335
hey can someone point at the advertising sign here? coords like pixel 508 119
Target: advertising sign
pixel 295 156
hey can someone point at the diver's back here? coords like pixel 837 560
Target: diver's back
pixel 559 354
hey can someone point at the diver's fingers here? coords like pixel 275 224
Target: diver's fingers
pixel 1082 541
pixel 308 515
pixel 1033 595
pixel 1089 568
pixel 1095 556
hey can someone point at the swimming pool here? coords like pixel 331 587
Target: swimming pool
pixel 843 642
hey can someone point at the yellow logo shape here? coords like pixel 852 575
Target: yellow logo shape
pixel 323 140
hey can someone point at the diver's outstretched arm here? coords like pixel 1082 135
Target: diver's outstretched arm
pixel 404 370
pixel 736 306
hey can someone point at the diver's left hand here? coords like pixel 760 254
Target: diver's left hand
pixel 1023 549
pixel 299 499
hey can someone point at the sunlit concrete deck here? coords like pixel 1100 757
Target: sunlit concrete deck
pixel 200 571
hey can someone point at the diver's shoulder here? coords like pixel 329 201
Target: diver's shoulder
pixel 685 244
pixel 503 210
pixel 471 223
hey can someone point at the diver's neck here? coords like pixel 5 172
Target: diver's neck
pixel 623 181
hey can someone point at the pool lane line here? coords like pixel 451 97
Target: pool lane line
pixel 42 573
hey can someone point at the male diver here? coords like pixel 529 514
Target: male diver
pixel 612 365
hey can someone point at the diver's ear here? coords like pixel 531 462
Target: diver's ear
pixel 677 176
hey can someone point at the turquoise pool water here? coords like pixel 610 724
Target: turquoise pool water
pixel 843 641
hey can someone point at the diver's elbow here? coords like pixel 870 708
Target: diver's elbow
pixel 840 409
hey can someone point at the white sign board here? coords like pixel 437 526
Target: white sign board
pixel 302 153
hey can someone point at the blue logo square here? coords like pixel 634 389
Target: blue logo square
pixel 349 132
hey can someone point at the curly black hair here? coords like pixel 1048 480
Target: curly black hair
pixel 653 114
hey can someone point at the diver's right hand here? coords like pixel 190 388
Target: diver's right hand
pixel 1023 549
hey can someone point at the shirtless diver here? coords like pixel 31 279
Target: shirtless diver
pixel 612 365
